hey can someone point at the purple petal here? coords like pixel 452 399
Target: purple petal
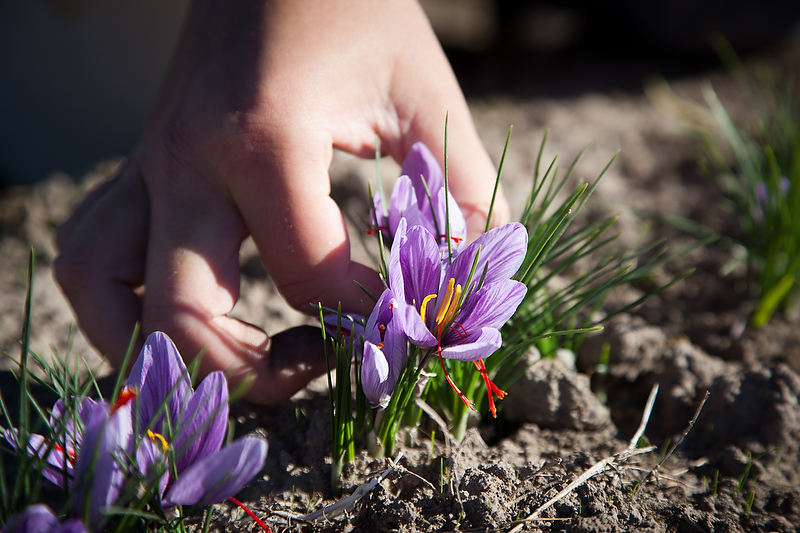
pixel 99 476
pixel 403 205
pixel 57 466
pixel 421 162
pixel 382 313
pixel 350 328
pixel 204 421
pixel 63 422
pixel 159 374
pixel 414 265
pixel 762 193
pixel 379 219
pixel 480 346
pixel 492 305
pixel 395 346
pixel 36 518
pixel 70 526
pixel 458 226
pixel 150 461
pixel 221 475
pixel 385 349
pixel 415 329
pixel 375 375
pixel 37 446
pixel 502 248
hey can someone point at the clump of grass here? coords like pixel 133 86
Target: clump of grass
pixel 754 160
pixel 759 172
pixel 551 318
pixel 548 317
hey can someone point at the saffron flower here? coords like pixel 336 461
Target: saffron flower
pixel 90 453
pixel 102 466
pixel 39 518
pixel 60 447
pixel 419 196
pixel 185 426
pixel 385 350
pixel 766 203
pixel 380 344
pixel 458 308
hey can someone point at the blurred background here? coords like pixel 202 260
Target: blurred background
pixel 77 77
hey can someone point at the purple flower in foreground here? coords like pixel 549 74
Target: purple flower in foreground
pixel 459 307
pixel 40 519
pixel 194 429
pixel 102 467
pixel 411 201
pixel 60 448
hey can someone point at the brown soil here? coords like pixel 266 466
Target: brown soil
pixel 738 468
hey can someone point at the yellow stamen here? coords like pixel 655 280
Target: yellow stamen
pixel 448 299
pixel 452 307
pixel 157 437
pixel 427 299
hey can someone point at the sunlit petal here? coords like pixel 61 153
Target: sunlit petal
pixel 220 475
pixel 204 421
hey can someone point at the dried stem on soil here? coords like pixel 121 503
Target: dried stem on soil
pixel 348 503
pixel 603 465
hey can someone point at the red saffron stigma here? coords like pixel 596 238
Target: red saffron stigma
pixel 462 333
pixel 454 239
pixel 70 453
pixel 450 381
pixel 244 508
pixel 125 396
pixel 373 231
pixel 491 388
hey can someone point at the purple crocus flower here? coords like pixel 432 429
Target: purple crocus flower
pixel 380 343
pixel 762 192
pixel 169 413
pixel 61 454
pixel 385 350
pixel 458 308
pixel 410 200
pixel 39 518
pixel 763 197
pixel 102 467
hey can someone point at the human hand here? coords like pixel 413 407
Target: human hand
pixel 239 143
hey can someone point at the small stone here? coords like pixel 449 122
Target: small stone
pixel 552 395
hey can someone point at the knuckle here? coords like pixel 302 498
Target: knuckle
pixel 305 295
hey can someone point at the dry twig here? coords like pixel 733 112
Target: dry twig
pixel 347 504
pixel 600 466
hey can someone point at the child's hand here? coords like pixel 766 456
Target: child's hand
pixel 239 144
